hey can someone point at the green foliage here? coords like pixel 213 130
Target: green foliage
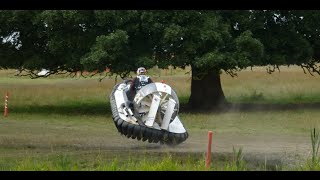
pixel 73 40
pixel 108 51
pixel 250 48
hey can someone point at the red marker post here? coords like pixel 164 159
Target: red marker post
pixel 208 157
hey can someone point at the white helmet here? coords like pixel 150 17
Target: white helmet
pixel 141 70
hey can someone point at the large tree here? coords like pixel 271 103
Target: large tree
pixel 204 40
pixel 209 41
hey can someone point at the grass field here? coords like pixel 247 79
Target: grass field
pixel 63 123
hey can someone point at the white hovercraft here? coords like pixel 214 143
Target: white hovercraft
pixel 151 115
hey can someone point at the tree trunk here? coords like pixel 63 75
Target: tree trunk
pixel 206 93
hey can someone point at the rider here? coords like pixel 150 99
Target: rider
pixel 136 84
pixel 140 81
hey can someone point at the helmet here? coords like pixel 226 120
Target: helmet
pixel 141 70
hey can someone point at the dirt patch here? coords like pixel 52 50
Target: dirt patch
pixel 268 150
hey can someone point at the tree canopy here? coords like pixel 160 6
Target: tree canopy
pixel 73 40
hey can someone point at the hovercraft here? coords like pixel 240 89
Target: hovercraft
pixel 150 115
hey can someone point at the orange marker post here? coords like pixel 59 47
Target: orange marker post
pixel 208 157
pixel 6 105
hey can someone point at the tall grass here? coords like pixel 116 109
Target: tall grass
pixel 69 163
pixel 315 142
pixel 237 163
pixel 313 164
pixel 168 162
pixel 289 86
